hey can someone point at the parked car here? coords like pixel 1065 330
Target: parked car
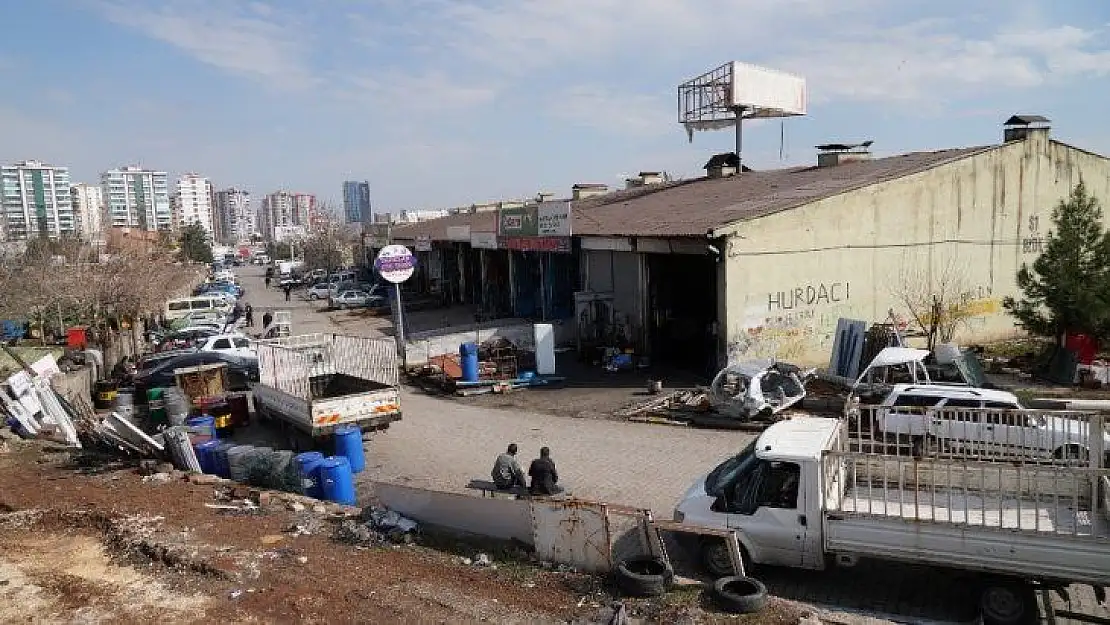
pixel 186 337
pixel 355 299
pixel 236 344
pixel 241 372
pixel 318 291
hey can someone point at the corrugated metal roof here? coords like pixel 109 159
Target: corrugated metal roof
pixel 436 229
pixel 694 207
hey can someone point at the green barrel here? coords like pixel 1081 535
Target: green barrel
pixel 156 400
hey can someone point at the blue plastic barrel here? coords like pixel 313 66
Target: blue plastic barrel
pixel 337 481
pixel 205 422
pixel 308 465
pixel 468 357
pixel 206 455
pixel 220 462
pixel 348 443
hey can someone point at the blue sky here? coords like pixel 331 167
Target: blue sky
pixel 442 103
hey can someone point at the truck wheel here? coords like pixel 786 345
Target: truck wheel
pixel 1008 602
pixel 715 558
pixel 740 595
pixel 645 576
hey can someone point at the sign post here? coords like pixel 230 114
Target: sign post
pixel 395 264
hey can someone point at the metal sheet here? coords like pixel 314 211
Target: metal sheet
pixel 499 518
pixel 572 532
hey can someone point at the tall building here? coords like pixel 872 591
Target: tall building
pixel 235 216
pixel 282 209
pixel 36 201
pixel 137 198
pixel 218 233
pixel 88 210
pixel 356 202
pixel 192 203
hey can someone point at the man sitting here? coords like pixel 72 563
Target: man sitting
pixel 543 474
pixel 507 473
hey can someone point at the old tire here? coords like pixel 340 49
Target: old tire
pixel 740 595
pixel 1008 602
pixel 644 577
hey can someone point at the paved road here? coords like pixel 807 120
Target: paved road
pixel 443 444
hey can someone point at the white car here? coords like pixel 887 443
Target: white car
pixel 318 291
pixel 206 317
pixel 354 299
pixel 235 344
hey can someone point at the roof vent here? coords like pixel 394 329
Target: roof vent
pixel 544 196
pixel 833 154
pixel 582 191
pixel 1019 127
pixel 651 177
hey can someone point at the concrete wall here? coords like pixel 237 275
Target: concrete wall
pixel 791 275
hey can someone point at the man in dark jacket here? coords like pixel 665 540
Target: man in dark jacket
pixel 543 474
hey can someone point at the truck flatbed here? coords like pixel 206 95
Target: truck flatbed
pixel 991 511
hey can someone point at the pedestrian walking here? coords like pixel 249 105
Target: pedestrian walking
pixel 288 290
pixel 267 282
pixel 248 314
pixel 266 319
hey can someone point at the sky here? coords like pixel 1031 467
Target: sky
pixel 441 103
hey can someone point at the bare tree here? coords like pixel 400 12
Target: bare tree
pixel 935 300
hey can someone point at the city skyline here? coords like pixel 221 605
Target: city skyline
pixel 516 98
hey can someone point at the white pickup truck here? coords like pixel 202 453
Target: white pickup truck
pixel 314 382
pixel 795 498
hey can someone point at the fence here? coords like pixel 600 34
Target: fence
pixel 290 364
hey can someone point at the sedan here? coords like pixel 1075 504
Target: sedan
pixel 241 372
pixel 318 291
pixel 355 299
pixel 235 344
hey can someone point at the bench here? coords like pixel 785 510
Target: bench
pixel 489 489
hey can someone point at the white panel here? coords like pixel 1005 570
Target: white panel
pixel 575 533
pixel 768 89
pixel 458 233
pixel 485 516
pixel 554 219
pixel 615 244
pixel 544 334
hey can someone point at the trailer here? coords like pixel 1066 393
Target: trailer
pixel 313 383
pixel 802 496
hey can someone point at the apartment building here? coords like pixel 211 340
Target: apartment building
pixel 36 201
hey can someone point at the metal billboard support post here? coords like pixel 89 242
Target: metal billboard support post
pixel 399 329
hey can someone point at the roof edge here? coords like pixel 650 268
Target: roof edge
pixel 730 228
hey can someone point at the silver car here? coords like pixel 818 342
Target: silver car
pixel 354 299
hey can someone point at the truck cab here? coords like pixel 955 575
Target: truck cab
pixel 769 494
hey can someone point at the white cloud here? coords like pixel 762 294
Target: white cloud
pixel 255 41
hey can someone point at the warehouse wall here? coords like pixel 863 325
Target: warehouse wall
pixel 790 276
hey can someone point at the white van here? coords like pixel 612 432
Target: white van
pixel 178 308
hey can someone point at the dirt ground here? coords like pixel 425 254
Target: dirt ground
pixel 91 542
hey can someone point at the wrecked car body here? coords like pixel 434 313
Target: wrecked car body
pixel 757 389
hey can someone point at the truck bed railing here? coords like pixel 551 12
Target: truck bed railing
pixel 1038 498
pixel 1002 435
pixel 296 364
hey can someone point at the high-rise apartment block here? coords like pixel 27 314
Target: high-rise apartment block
pixel 356 202
pixel 88 210
pixel 283 209
pixel 36 201
pixel 235 216
pixel 137 198
pixel 192 203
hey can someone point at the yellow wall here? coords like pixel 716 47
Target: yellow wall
pixel 791 275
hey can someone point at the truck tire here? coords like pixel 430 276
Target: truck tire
pixel 1008 602
pixel 740 595
pixel 644 576
pixel 715 558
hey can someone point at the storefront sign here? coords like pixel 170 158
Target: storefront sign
pixel 553 219
pixel 535 244
pixel 395 263
pixel 518 222
pixel 423 243
pixel 458 233
pixel 483 240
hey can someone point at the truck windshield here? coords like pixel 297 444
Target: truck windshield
pixel 727 471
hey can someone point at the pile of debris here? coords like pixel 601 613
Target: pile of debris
pixel 502 367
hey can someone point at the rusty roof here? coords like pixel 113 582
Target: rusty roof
pixel 694 207
pixel 436 229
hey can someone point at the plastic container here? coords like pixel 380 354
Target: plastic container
pixel 468 359
pixel 348 443
pixel 177 406
pixel 220 460
pixel 104 394
pixel 206 455
pixel 203 428
pixel 156 404
pixel 77 337
pixel 308 465
pixel 337 481
pixel 240 409
pixel 125 403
